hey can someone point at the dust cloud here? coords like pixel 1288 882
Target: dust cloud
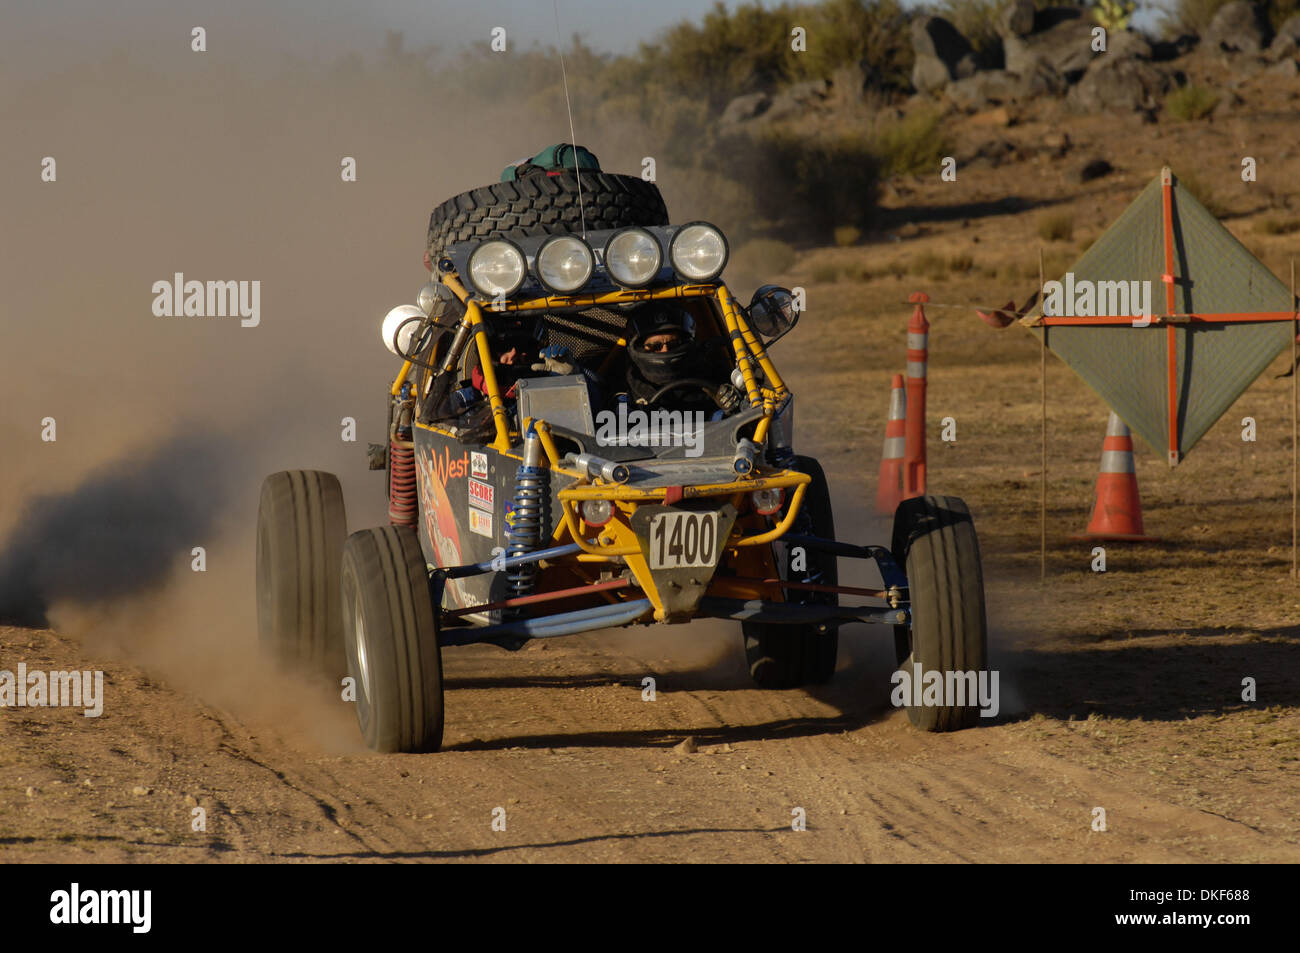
pixel 222 166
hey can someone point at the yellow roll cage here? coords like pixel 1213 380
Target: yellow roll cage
pixel 615 540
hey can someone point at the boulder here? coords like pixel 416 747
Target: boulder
pixel 1286 45
pixel 935 39
pixel 1283 48
pixel 1119 85
pixel 1238 27
pixel 798 99
pixel 1017 18
pixel 1291 27
pixel 744 108
pixel 1126 43
pixel 929 74
pixel 1065 48
pixel 989 88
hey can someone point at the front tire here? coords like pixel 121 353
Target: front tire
pixel 934 539
pixel 301 525
pixel 789 656
pixel 390 629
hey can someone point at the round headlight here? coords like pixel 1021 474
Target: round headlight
pixel 427 297
pixel 698 252
pixel 398 326
pixel 496 268
pixel 565 263
pixel 633 257
pixel 597 512
pixel 768 500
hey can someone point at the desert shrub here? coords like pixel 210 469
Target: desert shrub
pixel 961 263
pixel 725 54
pixel 1113 14
pixel 1191 102
pixel 747 48
pixel 1056 227
pixel 825 273
pixel 846 236
pixel 848 32
pixel 929 265
pixel 915 143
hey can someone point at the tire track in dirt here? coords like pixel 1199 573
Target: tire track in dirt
pixel 587 771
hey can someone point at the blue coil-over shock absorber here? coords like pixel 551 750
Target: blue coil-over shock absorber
pixel 532 496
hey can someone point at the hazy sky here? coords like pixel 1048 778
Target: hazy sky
pixel 37 36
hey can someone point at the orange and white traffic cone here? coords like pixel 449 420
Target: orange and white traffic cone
pixel 1117 514
pixel 889 492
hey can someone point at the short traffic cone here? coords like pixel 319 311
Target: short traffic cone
pixel 889 492
pixel 1117 514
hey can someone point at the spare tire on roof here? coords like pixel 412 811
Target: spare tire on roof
pixel 543 205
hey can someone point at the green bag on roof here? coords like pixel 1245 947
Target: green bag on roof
pixel 561 157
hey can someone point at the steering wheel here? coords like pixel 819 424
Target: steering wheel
pixel 694 382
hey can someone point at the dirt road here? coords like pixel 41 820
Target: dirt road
pixel 559 736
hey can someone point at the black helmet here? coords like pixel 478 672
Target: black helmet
pixel 672 363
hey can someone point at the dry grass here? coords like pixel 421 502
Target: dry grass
pixel 1056 227
pixel 1191 102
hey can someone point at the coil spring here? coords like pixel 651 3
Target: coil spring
pixel 532 493
pixel 401 483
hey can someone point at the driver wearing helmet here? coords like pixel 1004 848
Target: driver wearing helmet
pixel 666 366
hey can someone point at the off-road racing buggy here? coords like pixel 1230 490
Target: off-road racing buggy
pixel 531 496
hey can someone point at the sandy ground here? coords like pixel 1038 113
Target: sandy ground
pixel 1120 690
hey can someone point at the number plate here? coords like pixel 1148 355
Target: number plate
pixel 683 539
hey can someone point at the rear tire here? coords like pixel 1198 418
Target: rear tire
pixel 390 628
pixel 934 539
pixel 544 205
pixel 301 525
pixel 788 656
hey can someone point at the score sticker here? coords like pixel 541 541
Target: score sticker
pixel 481 495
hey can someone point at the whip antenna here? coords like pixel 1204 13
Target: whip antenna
pixel 582 214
